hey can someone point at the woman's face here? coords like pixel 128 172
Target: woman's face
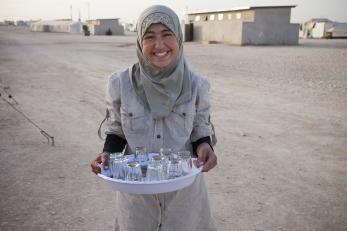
pixel 159 45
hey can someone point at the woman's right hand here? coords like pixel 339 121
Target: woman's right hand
pixel 102 158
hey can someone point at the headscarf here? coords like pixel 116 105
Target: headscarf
pixel 160 89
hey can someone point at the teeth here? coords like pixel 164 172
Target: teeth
pixel 161 54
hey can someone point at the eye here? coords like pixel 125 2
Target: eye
pixel 148 37
pixel 168 34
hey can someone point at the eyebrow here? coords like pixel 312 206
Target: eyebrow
pixel 163 31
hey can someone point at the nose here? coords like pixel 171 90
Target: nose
pixel 159 42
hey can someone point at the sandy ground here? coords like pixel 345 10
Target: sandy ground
pixel 280 113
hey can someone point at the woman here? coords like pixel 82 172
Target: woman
pixel 158 102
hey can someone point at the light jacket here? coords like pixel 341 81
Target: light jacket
pixel 131 120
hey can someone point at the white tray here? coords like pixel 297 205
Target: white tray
pixel 153 187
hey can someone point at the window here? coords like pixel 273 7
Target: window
pixel 220 16
pixel 197 18
pixel 248 16
pixel 238 15
pixel 212 17
pixel 230 15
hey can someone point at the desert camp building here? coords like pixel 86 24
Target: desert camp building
pixel 323 28
pixel 63 26
pixel 105 27
pixel 258 25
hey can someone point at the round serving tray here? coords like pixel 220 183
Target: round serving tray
pixel 153 187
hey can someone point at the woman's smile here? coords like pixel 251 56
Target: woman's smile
pixel 159 46
pixel 160 54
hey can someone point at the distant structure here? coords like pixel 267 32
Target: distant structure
pixel 21 23
pixel 105 27
pixel 130 27
pixel 323 28
pixel 62 26
pixel 257 25
pixel 9 23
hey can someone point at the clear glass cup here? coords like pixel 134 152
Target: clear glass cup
pixel 110 161
pixel 133 171
pixel 165 153
pixel 186 160
pixel 174 168
pixel 118 166
pixel 155 169
pixel 141 154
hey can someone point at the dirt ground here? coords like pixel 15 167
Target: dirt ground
pixel 280 114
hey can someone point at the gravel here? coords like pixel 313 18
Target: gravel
pixel 280 114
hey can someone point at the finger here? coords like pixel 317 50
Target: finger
pixel 96 170
pixel 211 163
pixel 104 160
pixel 95 167
pixel 201 159
pixel 98 160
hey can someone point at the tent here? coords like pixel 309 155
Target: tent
pixel 63 26
pixel 323 28
pixel 339 30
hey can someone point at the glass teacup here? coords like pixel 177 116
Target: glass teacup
pixel 166 154
pixel 133 171
pixel 186 160
pixel 155 169
pixel 174 168
pixel 118 165
pixel 141 154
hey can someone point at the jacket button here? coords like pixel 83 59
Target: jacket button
pixel 158 136
pixel 130 114
pixel 184 114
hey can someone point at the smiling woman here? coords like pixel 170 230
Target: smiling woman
pixel 159 46
pixel 160 103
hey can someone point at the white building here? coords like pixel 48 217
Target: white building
pixel 130 27
pixel 63 26
pixel 21 23
pixel 105 27
pixel 258 25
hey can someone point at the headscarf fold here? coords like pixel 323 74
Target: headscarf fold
pixel 160 89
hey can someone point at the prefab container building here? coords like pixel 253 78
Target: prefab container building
pixel 64 26
pixel 105 27
pixel 258 25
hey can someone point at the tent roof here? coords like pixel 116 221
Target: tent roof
pixel 319 20
pixel 339 27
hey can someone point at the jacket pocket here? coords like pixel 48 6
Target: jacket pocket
pixel 133 119
pixel 183 118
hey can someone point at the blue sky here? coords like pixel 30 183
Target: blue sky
pixel 128 10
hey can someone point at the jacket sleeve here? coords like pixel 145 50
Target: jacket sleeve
pixel 201 125
pixel 196 144
pixel 114 143
pixel 115 139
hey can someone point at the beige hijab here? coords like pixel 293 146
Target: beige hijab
pixel 160 89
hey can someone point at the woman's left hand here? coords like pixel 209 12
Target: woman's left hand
pixel 206 156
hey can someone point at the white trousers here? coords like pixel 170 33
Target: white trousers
pixel 183 210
